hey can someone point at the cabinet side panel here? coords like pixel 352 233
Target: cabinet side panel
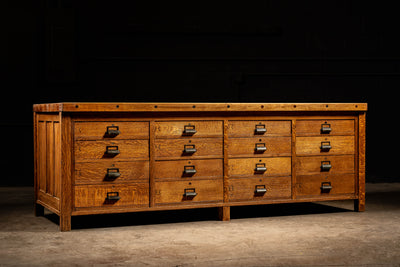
pixel 48 160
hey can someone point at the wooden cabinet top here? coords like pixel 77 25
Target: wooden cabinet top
pixel 196 107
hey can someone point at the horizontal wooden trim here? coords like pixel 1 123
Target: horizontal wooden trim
pixel 196 107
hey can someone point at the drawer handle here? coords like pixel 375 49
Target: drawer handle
pixel 189 149
pixel 326 166
pixel 112 150
pixel 325 128
pixel 190 192
pixel 112 131
pixel 189 170
pixel 113 173
pixel 326 186
pixel 260 190
pixel 326 146
pixel 260 147
pixel 260 168
pixel 189 129
pixel 260 129
pixel 113 196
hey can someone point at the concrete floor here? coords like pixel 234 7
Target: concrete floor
pixel 312 234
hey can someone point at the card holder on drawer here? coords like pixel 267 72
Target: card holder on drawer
pixel 188 129
pixel 112 130
pixel 259 128
pixel 325 145
pixel 324 127
pixel 324 185
pixel 95 172
pixel 325 164
pixel 259 146
pixel 189 169
pixel 259 167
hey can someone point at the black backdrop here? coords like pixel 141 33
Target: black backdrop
pixel 200 51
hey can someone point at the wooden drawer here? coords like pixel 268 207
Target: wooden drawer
pixel 188 129
pixel 259 167
pixel 332 144
pixel 311 185
pixel 189 169
pixel 324 127
pixel 259 128
pixel 260 188
pixel 175 148
pixel 170 192
pixel 325 164
pixel 254 147
pixel 136 194
pixel 116 150
pixel 111 172
pixel 90 130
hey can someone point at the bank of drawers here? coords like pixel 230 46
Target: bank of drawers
pixel 111 164
pixel 259 160
pixel 325 157
pixel 188 162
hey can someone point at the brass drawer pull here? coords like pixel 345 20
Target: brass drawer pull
pixel 260 129
pixel 326 128
pixel 326 165
pixel 189 149
pixel 260 168
pixel 326 186
pixel 189 170
pixel 113 196
pixel 190 192
pixel 112 150
pixel 189 129
pixel 112 131
pixel 113 173
pixel 260 147
pixel 260 190
pixel 326 146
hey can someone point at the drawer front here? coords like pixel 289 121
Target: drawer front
pixel 188 148
pixel 259 128
pixel 259 167
pixel 116 150
pixel 188 129
pixel 136 194
pixel 259 147
pixel 324 185
pixel 324 127
pixel 325 145
pixel 325 164
pixel 113 172
pixel 189 169
pixel 111 130
pixel 186 192
pixel 260 188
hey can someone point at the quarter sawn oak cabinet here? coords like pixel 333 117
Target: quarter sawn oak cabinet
pixel 93 158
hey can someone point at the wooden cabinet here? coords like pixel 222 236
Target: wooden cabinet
pixel 93 158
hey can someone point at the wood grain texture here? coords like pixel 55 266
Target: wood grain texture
pixel 129 150
pixel 93 130
pixel 248 128
pixel 95 172
pixel 205 169
pixel 245 147
pixel 244 189
pixel 194 107
pixel 246 167
pixel 172 192
pixel 175 129
pixel 313 127
pixel 312 165
pixel 310 185
pixel 312 145
pixel 359 204
pixel 134 194
pixel 173 148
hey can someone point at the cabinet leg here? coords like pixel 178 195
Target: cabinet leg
pixel 65 223
pixel 38 210
pixel 359 204
pixel 224 213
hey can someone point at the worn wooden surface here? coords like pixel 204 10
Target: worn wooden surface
pixel 176 129
pixel 94 130
pixel 246 167
pixel 244 128
pixel 205 169
pixel 245 147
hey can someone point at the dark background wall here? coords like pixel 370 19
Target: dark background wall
pixel 200 51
